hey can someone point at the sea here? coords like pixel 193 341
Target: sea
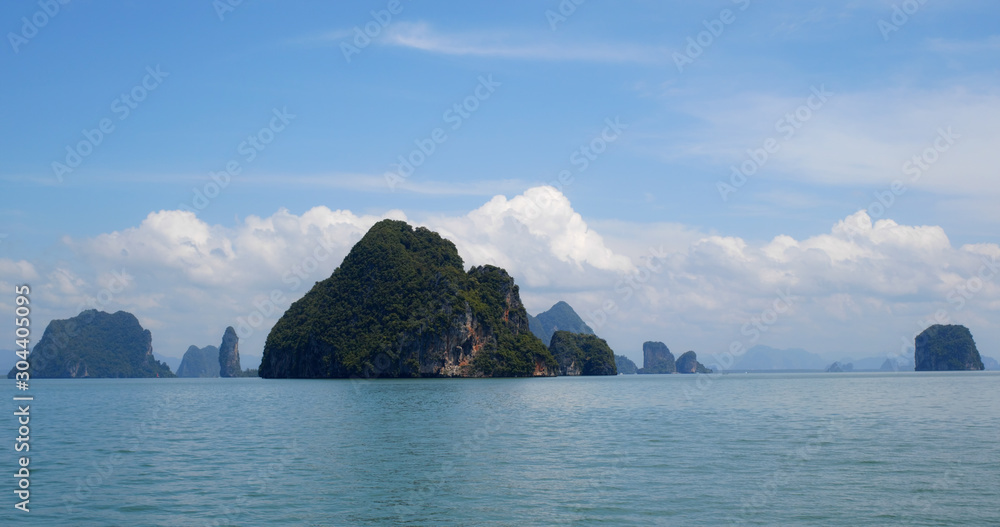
pixel 846 449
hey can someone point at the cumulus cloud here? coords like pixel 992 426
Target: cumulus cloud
pixel 858 289
pixel 537 236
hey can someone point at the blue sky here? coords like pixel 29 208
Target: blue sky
pixel 897 78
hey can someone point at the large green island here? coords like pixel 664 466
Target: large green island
pixel 402 305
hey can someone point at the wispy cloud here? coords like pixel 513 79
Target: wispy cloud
pixel 499 44
pixel 377 184
pixel 942 45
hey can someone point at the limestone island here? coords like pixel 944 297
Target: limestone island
pixel 657 359
pixel 95 344
pixel 946 348
pixel 402 305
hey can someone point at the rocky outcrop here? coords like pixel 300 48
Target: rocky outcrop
pixel 625 365
pixel 229 354
pixel 401 305
pixel 837 367
pixel 560 317
pixel 945 348
pixel 688 363
pixel 95 344
pixel 199 362
pixel 578 354
pixel 656 358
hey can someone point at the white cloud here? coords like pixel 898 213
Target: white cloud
pixel 19 270
pixel 378 184
pixel 859 288
pixel 500 44
pixel 537 236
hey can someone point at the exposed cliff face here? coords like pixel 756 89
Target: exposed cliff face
pixel 578 354
pixel 199 362
pixel 96 344
pixel 656 358
pixel 942 348
pixel 400 305
pixel 229 354
pixel 688 363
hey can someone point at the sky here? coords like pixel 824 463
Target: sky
pixel 798 174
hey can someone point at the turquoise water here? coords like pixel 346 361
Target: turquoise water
pixel 741 449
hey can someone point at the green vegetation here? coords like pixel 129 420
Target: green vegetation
pixel 943 348
pixel 625 365
pixel 401 305
pixel 582 354
pixel 560 317
pixel 96 344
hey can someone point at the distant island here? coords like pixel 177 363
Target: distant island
pixel 657 359
pixel 211 361
pixel 199 362
pixel 946 348
pixel 580 354
pixel 560 317
pixel 625 365
pixel 402 305
pixel 837 367
pixel 95 344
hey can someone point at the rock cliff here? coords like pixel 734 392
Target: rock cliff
pixel 229 354
pixel 656 358
pixel 688 363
